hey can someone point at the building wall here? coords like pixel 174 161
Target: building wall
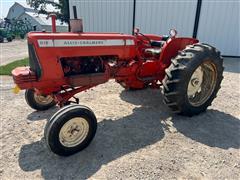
pixel 15 11
pixel 40 27
pixel 158 17
pixel 104 16
pixel 219 25
pixel 33 22
pixel 62 28
pixel 219 22
pixel 59 28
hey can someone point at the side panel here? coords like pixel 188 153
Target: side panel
pixel 104 16
pixel 157 17
pixel 219 25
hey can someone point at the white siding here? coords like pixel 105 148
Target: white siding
pixel 104 15
pixel 15 11
pixel 157 16
pixel 59 28
pixel 33 22
pixel 219 25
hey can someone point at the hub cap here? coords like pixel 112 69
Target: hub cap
pixel 202 83
pixel 195 82
pixel 43 100
pixel 74 132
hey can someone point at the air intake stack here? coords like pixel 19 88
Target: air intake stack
pixel 76 25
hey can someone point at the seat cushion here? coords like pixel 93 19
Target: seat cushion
pixel 153 51
pixel 157 43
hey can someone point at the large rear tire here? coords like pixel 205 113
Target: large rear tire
pixel 38 102
pixel 193 79
pixel 70 130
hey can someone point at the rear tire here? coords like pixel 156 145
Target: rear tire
pixel 193 79
pixel 70 130
pixel 38 102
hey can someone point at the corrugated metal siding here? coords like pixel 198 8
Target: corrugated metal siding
pixel 104 15
pixel 158 16
pixel 219 25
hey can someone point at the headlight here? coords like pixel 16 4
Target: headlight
pixel 173 32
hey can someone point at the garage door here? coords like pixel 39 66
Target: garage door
pixel 219 25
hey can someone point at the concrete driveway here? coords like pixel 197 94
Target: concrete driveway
pixel 138 137
pixel 11 51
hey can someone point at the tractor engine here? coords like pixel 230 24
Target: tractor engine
pixel 82 65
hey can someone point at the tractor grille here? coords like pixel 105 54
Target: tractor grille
pixel 33 61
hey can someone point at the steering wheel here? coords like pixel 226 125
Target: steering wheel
pixel 147 38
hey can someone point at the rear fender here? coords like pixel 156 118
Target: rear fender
pixel 171 49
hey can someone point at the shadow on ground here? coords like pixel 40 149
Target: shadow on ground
pixel 116 138
pixel 41 115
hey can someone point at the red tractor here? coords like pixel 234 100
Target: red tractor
pixel 63 64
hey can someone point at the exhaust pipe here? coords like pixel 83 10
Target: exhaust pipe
pixel 53 17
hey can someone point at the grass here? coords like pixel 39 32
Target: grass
pixel 6 69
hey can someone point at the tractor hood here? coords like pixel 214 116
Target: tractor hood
pixel 43 39
pixel 47 49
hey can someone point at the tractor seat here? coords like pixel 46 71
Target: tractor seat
pixel 153 51
pixel 157 43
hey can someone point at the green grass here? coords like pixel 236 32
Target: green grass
pixel 6 69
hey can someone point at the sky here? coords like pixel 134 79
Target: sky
pixel 5 5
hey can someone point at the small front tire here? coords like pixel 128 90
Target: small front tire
pixel 70 130
pixel 38 102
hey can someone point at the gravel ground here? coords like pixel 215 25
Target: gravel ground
pixel 11 51
pixel 137 138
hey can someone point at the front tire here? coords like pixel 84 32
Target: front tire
pixel 70 130
pixel 193 79
pixel 38 102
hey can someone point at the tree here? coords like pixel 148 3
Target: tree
pixel 62 6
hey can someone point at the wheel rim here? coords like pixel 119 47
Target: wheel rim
pixel 43 100
pixel 74 132
pixel 202 83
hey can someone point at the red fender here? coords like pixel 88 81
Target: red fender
pixel 171 49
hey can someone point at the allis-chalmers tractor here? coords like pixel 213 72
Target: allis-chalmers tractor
pixel 64 64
